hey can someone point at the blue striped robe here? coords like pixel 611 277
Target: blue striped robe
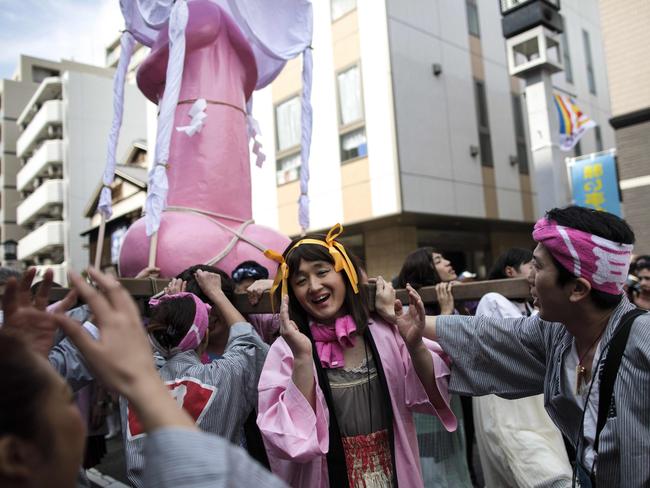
pixel 515 358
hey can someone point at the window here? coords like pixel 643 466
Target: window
pixel 288 169
pixel 520 134
pixel 482 119
pixel 472 18
pixel 287 124
pixel 352 139
pixel 350 103
pixel 599 139
pixel 353 145
pixel 342 7
pixel 591 78
pixel 568 70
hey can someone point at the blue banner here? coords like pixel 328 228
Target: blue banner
pixel 594 183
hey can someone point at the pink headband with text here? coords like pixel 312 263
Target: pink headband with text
pixel 601 262
pixel 195 334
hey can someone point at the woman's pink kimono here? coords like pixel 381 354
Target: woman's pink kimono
pixel 297 438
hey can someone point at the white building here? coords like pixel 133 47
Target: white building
pixel 62 146
pixel 419 135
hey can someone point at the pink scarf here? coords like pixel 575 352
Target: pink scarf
pixel 601 262
pixel 331 339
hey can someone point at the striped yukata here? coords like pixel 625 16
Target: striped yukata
pixel 515 358
pixel 219 395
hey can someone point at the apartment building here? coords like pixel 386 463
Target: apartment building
pixel 62 150
pixel 419 134
pixel 626 37
pixel 14 94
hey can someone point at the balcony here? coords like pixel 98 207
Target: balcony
pixel 45 239
pixel 46 201
pixel 46 124
pixel 46 161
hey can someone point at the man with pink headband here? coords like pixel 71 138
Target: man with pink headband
pixel 588 349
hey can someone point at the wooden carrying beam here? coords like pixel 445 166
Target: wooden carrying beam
pixel 509 288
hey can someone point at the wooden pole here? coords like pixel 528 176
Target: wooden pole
pixel 100 242
pixel 153 247
pixel 516 288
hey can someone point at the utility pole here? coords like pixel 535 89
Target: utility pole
pixel 532 30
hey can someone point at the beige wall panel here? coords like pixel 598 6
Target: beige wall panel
pixel 288 82
pixel 626 36
pixel 490 193
pixel 288 208
pixel 355 182
pixel 527 198
pixel 387 248
pixel 345 40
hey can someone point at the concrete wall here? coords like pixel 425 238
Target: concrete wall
pixel 87 118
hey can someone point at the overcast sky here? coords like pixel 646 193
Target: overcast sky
pixel 56 29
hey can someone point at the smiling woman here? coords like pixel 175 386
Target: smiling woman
pixel 338 388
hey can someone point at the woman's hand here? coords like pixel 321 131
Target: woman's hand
pixel 298 342
pixel 411 323
pixel 445 298
pixel 385 300
pixel 257 289
pixel 176 285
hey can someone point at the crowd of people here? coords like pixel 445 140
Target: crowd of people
pixel 546 392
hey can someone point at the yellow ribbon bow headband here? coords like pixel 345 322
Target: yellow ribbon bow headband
pixel 341 260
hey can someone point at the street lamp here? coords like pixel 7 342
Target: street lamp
pixel 532 31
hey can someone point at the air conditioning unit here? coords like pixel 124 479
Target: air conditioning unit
pixel 54 132
pixel 56 211
pixel 54 171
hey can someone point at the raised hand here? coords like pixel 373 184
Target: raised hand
pixel 298 342
pixel 445 298
pixel 121 356
pixel 385 300
pixel 210 283
pixel 257 289
pixel 27 317
pixel 411 323
pixel 176 285
pixel 148 272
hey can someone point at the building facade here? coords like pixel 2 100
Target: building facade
pixel 62 149
pixel 419 134
pixel 14 94
pixel 626 37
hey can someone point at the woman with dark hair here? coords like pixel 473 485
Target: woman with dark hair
pixel 41 430
pixel 443 455
pixel 220 394
pixel 338 387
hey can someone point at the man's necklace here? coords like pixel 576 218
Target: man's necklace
pixel 582 378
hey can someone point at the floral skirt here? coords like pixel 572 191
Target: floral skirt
pixel 368 460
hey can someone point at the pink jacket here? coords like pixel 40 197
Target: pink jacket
pixel 297 438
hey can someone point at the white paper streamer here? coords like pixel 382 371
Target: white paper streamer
pixel 158 186
pixel 198 115
pixel 127 43
pixel 305 142
pixel 253 131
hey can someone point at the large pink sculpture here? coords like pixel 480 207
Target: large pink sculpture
pixel 209 198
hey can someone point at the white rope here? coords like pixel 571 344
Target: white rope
pixel 127 43
pixel 238 233
pixel 158 184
